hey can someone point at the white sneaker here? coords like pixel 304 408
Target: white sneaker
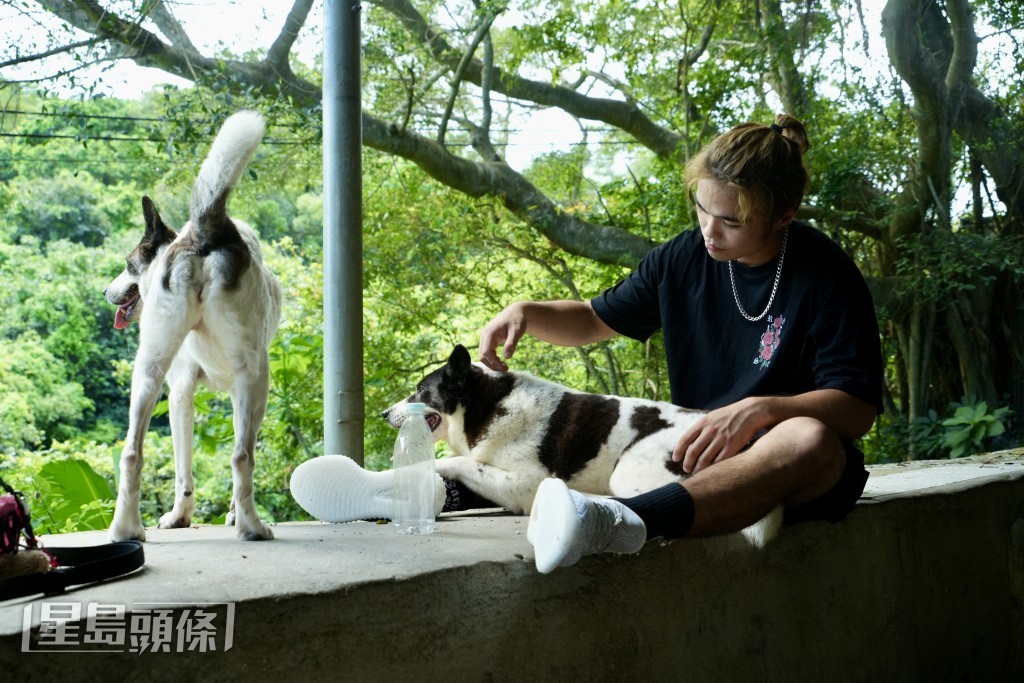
pixel 565 525
pixel 333 488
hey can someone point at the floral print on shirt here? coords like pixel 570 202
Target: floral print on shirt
pixel 769 342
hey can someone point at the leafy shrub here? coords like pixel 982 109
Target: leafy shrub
pixel 926 436
pixel 971 426
pixel 68 487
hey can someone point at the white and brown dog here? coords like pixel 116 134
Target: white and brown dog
pixel 511 430
pixel 207 309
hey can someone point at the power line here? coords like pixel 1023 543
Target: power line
pixel 98 161
pixel 59 136
pixel 73 115
pixel 270 141
pixel 123 138
pixel 107 117
pixel 84 137
pixel 69 160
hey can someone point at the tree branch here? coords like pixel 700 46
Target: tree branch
pixel 146 49
pixel 481 31
pixel 282 46
pixel 611 82
pixel 485 87
pixel 495 178
pixel 852 221
pixel 625 116
pixel 89 16
pixel 964 55
pixel 698 50
pixel 49 53
pixel 169 25
pixel 917 66
pixel 785 78
pixel 489 177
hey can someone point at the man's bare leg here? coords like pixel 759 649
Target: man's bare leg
pixel 794 463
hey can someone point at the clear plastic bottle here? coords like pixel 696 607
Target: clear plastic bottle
pixel 412 503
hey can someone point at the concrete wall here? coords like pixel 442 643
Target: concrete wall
pixel 910 590
pixel 915 587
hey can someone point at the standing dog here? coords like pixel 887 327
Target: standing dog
pixel 511 430
pixel 207 309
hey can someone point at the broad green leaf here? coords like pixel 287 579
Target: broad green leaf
pixel 76 486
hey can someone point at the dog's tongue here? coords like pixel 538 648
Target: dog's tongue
pixel 120 322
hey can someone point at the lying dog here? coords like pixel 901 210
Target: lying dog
pixel 207 309
pixel 511 430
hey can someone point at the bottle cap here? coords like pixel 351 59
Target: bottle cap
pixel 415 407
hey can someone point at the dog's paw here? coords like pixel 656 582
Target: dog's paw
pixel 174 520
pixel 126 532
pixel 259 532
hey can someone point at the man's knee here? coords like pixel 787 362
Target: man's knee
pixel 815 453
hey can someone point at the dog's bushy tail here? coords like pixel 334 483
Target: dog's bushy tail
pixel 761 533
pixel 230 153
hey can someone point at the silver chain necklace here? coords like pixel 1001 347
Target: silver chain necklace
pixel 775 286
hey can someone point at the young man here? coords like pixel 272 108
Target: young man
pixel 767 324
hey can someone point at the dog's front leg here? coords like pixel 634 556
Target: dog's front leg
pixel 147 382
pixel 512 490
pixel 249 402
pixel 182 380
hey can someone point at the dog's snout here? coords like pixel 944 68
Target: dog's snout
pixel 386 413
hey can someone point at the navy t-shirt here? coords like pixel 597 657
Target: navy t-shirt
pixel 820 332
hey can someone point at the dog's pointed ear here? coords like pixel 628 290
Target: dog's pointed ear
pixel 457 370
pixel 459 361
pixel 156 230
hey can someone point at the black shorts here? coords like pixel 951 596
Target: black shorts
pixel 836 503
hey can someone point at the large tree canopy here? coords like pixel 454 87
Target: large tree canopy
pixel 917 156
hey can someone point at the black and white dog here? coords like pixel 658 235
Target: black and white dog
pixel 511 430
pixel 207 309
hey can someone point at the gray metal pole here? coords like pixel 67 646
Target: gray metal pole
pixel 343 231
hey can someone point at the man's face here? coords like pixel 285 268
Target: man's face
pixel 727 239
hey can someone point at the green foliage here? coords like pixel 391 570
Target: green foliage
pixel 64 207
pixel 59 330
pixel 79 498
pixel 971 426
pixel 927 436
pixel 39 401
pixel 968 427
pixel 950 263
pixel 271 218
pixel 68 487
pixel 887 441
pixel 109 140
pixel 307 224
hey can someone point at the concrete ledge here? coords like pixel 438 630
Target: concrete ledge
pixel 923 581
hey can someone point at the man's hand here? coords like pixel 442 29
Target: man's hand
pixel 506 329
pixel 720 434
pixel 564 323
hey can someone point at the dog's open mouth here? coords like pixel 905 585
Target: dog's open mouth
pixel 123 316
pixel 433 420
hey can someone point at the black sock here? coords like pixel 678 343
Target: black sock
pixel 457 497
pixel 667 511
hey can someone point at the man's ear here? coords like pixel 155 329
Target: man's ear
pixel 784 220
